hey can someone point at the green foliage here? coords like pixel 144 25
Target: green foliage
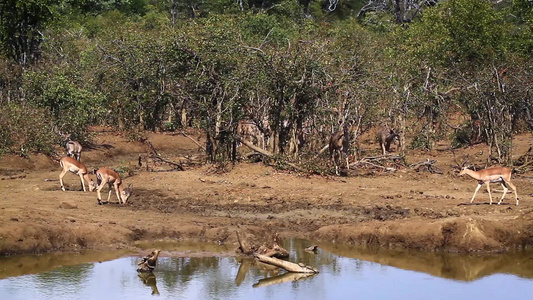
pixel 290 66
pixel 457 31
pixel 25 129
pixel 72 108
pixel 21 26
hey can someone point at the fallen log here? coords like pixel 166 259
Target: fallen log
pixel 286 265
pixel 266 153
pixel 194 141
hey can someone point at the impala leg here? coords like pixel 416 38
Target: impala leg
pixel 98 189
pixel 109 194
pixel 490 195
pixel 505 189
pixel 477 189
pixel 347 163
pixel 118 193
pixel 61 179
pixel 82 183
pixel 514 190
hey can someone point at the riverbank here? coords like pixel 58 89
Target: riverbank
pixel 406 209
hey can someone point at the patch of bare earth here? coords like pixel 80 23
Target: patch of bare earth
pixel 405 209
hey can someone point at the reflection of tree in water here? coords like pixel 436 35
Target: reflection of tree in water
pixel 72 276
pixel 212 272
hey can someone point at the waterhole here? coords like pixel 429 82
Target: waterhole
pixel 345 273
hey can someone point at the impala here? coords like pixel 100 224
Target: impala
pixel 105 175
pixel 249 131
pixel 74 149
pixel 492 175
pixel 76 167
pixel 385 137
pixel 340 142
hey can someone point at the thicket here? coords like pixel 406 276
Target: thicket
pixel 297 68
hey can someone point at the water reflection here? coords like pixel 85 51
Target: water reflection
pixel 446 265
pixel 283 278
pixel 344 273
pixel 148 279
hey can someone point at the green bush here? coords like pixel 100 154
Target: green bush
pixel 25 129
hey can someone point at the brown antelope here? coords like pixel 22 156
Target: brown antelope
pixel 76 167
pixel 385 137
pixel 105 175
pixel 340 142
pixel 492 175
pixel 74 149
pixel 250 132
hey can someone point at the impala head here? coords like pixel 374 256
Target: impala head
pixel 464 170
pixel 126 193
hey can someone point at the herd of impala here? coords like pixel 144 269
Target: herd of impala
pixel 72 163
pixel 338 142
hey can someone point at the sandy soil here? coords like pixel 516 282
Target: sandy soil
pixel 406 209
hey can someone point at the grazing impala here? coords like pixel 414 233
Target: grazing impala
pixel 492 175
pixel 76 167
pixel 105 175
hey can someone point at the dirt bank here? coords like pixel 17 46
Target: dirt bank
pixel 406 209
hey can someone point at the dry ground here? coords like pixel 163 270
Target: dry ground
pixel 405 209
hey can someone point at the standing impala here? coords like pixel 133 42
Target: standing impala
pixel 385 137
pixel 492 175
pixel 105 175
pixel 339 143
pixel 76 167
pixel 74 149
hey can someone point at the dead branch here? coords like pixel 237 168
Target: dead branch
pixel 426 165
pixel 288 266
pixel 177 165
pixel 361 163
pixel 155 155
pixel 243 245
pixel 266 153
pixel 198 144
pixel 323 149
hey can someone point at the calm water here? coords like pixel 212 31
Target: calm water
pixel 344 274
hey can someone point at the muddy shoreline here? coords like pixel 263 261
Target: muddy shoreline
pixel 406 209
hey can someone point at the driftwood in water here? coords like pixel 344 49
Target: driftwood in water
pixel 149 262
pixel 270 249
pixel 286 265
pixel 267 254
